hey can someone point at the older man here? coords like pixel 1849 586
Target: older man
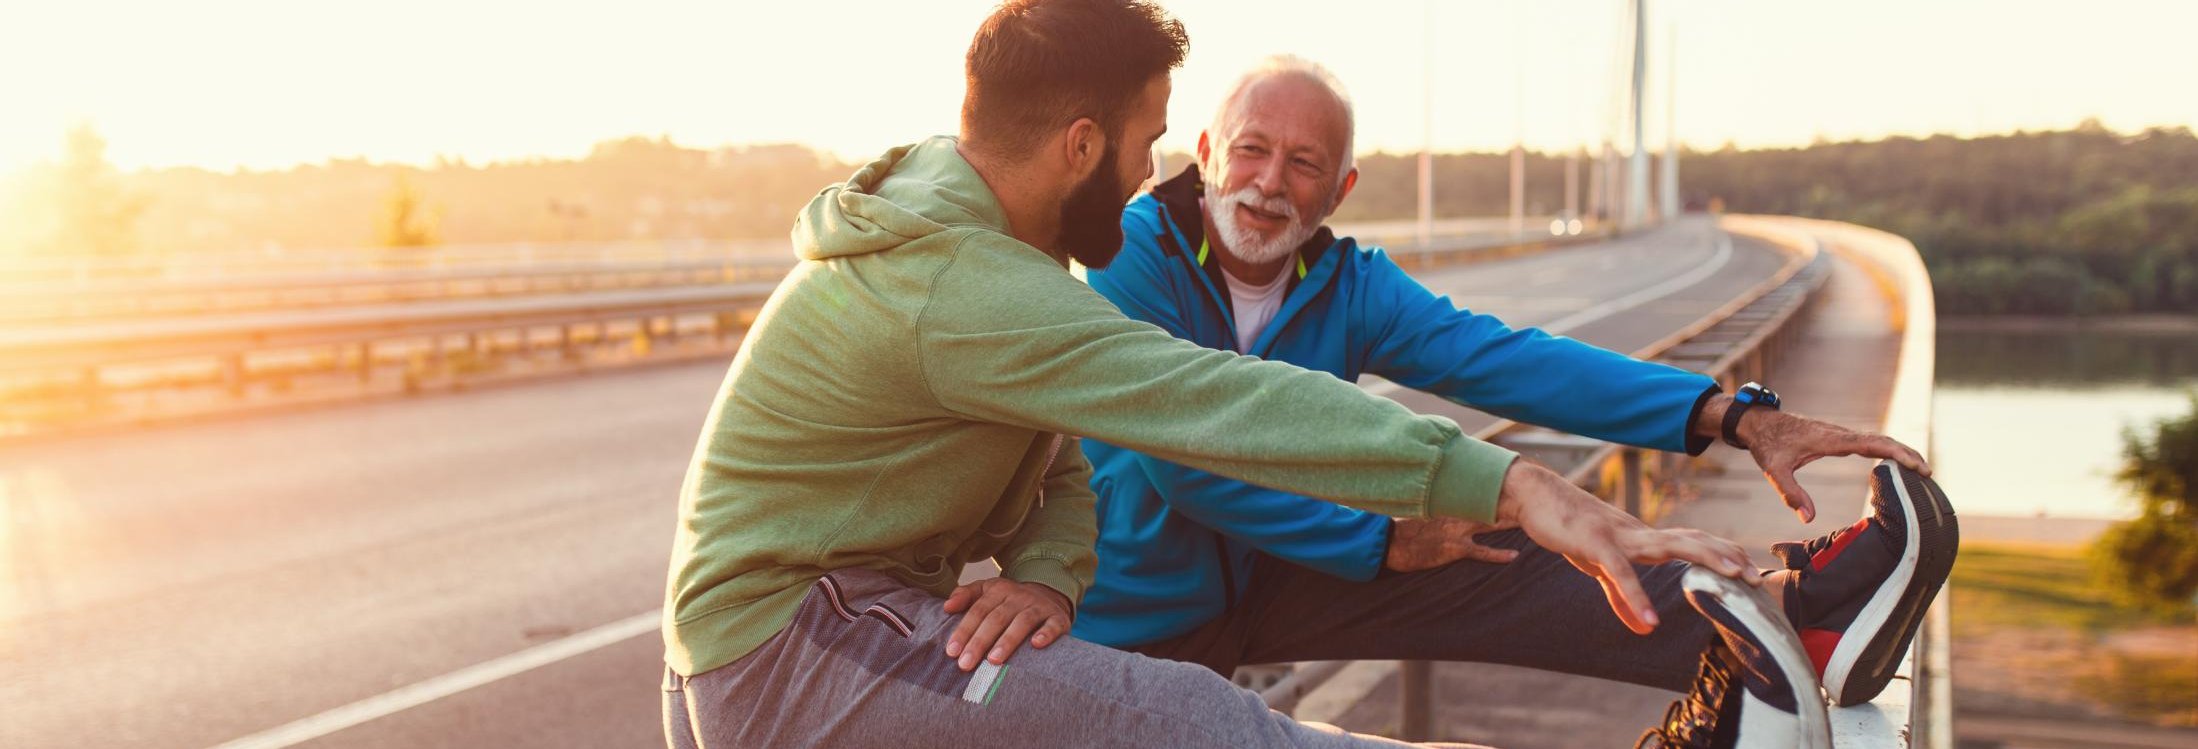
pixel 1194 566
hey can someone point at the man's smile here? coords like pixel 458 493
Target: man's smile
pixel 1266 219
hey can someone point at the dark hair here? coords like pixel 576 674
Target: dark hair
pixel 1037 65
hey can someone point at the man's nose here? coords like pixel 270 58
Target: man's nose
pixel 1269 178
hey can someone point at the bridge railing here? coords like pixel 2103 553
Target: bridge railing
pixel 187 266
pixel 1917 709
pixel 24 302
pixel 1736 343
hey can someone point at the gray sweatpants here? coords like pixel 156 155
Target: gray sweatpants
pixel 1536 611
pixel 863 664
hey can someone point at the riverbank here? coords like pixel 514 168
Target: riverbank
pixel 2035 636
pixel 2148 323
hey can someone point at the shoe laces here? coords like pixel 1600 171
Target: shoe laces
pixel 1691 721
pixel 1796 555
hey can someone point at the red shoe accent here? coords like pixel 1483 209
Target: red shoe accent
pixel 1839 544
pixel 1820 643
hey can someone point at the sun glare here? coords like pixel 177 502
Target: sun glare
pixel 263 85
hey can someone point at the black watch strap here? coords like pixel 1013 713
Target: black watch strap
pixel 1732 422
pixel 1746 397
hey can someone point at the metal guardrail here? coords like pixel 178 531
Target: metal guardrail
pixel 197 265
pixel 78 347
pixel 62 303
pixel 1734 343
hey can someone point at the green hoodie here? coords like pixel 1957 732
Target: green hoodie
pixel 898 406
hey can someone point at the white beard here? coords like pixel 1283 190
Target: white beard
pixel 1248 245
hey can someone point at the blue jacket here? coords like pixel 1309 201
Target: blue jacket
pixel 1176 544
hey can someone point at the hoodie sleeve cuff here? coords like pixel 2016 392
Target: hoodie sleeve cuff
pixel 1052 573
pixel 1467 479
pixel 1697 443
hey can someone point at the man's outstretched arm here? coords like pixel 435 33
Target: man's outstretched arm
pixel 1422 341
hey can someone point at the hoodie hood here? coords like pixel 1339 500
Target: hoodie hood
pixel 909 193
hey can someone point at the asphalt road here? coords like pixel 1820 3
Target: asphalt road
pixel 189 585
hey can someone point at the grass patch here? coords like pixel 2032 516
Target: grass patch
pixel 2030 585
pixel 2037 624
pixel 2156 689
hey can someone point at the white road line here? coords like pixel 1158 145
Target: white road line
pixel 423 692
pixel 1565 324
pixel 1636 299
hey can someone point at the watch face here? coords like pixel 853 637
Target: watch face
pixel 1755 394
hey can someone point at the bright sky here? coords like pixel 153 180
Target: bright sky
pixel 227 83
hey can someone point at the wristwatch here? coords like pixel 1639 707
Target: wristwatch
pixel 1748 396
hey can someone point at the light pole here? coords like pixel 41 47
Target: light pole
pixel 1427 125
pixel 1637 166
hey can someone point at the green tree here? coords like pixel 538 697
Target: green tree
pixel 404 222
pixel 2153 560
pixel 96 214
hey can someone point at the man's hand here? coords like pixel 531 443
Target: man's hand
pixel 1605 542
pixel 1782 443
pixel 1426 543
pixel 1001 612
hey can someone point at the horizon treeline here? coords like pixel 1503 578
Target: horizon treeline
pixel 2080 221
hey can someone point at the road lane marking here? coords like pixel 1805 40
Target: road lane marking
pixel 1638 298
pixel 423 692
pixel 1567 323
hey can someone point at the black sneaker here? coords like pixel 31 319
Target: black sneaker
pixel 1755 690
pixel 1859 594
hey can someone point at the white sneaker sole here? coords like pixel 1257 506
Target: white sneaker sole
pixel 1766 625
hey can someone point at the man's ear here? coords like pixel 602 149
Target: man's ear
pixel 1205 150
pixel 1350 180
pixel 1085 148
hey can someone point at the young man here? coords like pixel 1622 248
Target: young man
pixel 1231 254
pixel 899 410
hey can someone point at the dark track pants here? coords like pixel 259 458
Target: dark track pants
pixel 1537 611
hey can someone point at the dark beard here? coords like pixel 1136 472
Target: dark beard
pixel 1091 218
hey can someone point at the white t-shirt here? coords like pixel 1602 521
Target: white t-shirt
pixel 1255 305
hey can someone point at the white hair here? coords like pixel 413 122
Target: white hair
pixel 1292 65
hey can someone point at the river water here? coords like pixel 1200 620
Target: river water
pixel 2030 423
